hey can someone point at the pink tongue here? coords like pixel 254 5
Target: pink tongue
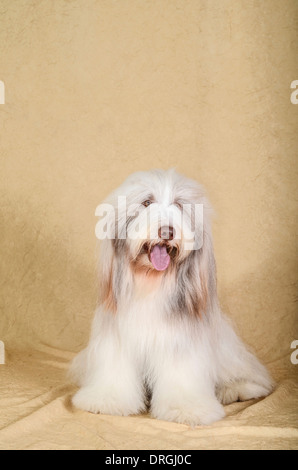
pixel 159 258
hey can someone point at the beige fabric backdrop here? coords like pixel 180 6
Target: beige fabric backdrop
pixel 95 90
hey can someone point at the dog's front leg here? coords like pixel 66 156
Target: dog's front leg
pixel 183 393
pixel 112 384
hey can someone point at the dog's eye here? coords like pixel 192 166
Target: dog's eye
pixel 147 203
pixel 178 204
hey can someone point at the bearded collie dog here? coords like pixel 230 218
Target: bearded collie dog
pixel 159 339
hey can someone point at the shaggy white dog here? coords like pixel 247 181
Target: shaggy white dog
pixel 159 337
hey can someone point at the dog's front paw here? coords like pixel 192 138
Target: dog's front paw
pixel 87 400
pixel 199 413
pixel 95 401
pixel 241 391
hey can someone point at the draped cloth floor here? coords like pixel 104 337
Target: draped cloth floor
pixel 36 413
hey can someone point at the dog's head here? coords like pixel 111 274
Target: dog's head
pixel 156 224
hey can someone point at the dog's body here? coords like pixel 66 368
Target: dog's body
pixel 159 327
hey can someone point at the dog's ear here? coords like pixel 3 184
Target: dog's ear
pixel 204 263
pixel 196 279
pixel 106 265
pixel 207 273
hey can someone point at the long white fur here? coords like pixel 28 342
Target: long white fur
pixel 192 364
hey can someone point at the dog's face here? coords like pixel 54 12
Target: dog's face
pixel 158 219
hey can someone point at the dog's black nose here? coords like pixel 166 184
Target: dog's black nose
pixel 166 233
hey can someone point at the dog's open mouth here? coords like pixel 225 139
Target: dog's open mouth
pixel 160 255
